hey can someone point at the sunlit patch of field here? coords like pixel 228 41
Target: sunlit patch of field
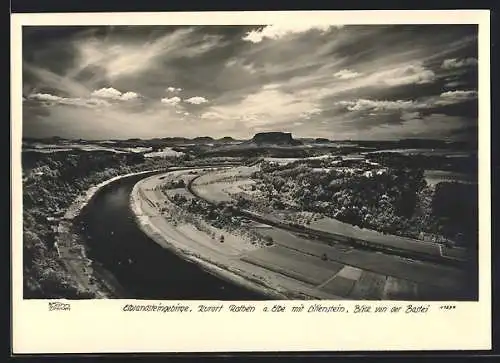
pixel 166 152
pixel 334 226
pixel 213 185
pixel 240 186
pixel 399 289
pixel 213 192
pixel 425 152
pixel 380 263
pixel 50 148
pixel 433 177
pixel 369 286
pixel 293 264
pixel 284 161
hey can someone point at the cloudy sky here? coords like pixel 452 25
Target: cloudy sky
pixel 339 82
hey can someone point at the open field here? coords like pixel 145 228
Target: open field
pixel 240 187
pixel 213 185
pixel 166 152
pixel 291 160
pixel 434 177
pixel 427 152
pixel 298 265
pixel 370 285
pixel 375 262
pixel 399 289
pixel 334 226
pixel 214 191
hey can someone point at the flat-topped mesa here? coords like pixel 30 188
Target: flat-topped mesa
pixel 275 138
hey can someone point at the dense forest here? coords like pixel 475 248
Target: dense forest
pixel 395 200
pixel 51 182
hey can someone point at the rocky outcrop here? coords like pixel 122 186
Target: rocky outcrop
pixel 275 138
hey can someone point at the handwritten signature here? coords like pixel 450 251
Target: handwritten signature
pixel 59 306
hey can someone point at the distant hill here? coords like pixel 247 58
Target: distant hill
pixel 321 140
pixel 416 144
pixel 203 139
pixel 175 140
pixel 275 138
pixel 226 139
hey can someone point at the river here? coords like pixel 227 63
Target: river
pixel 144 269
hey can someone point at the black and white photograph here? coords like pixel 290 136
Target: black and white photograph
pixel 247 163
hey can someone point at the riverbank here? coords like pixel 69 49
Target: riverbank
pixel 220 269
pixel 72 251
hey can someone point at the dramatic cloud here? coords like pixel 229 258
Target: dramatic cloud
pixel 211 115
pixel 454 84
pixel 405 116
pixel 240 63
pixel 282 30
pixel 53 100
pixel 346 74
pixel 310 113
pixel 428 127
pixel 124 57
pixel 411 74
pixel 45 97
pixel 107 93
pixel 173 89
pixel 270 86
pixel 409 107
pixel 270 107
pixel 197 100
pixel 49 79
pixel 114 94
pixel 171 101
pixel 454 63
pixel 127 96
pixel 374 105
pixel 452 97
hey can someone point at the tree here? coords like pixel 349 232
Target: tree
pixel 457 215
pixel 269 241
